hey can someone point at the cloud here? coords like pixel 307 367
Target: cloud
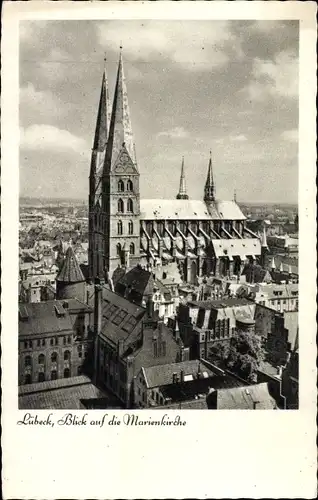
pixel 42 103
pixel 238 138
pixel 290 135
pixel 191 46
pixel 277 78
pixel 267 27
pixel 174 133
pixel 49 138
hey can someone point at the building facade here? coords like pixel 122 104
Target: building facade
pixel 203 236
pixel 55 340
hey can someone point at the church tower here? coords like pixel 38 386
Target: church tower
pixel 95 230
pixel 264 248
pixel 209 189
pixel 120 185
pixel 182 194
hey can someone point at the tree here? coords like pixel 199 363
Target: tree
pixel 242 354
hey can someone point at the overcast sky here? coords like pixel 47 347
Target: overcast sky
pixel 193 86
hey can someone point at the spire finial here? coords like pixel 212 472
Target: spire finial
pixel 234 197
pixel 209 195
pixel 182 194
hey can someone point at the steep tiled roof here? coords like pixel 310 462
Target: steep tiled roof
pixel 175 210
pixel 70 271
pixel 136 281
pixel 37 318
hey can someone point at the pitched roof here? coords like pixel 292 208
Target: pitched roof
pixel 163 374
pixel 58 394
pixel 175 210
pixel 245 398
pixel 38 318
pixel 137 281
pixel 234 247
pixel 70 271
pixel 120 317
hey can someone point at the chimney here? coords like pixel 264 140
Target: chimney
pixel 182 376
pixel 150 307
pixel 120 347
pixel 98 289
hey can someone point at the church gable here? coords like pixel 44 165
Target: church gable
pixel 124 163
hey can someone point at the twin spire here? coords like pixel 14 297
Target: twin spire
pixel 209 188
pixel 113 131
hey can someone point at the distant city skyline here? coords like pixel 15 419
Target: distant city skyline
pixel 193 86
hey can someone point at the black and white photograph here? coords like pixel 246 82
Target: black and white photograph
pixel 158 222
pixel 158 249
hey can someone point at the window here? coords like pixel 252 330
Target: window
pixel 30 344
pixel 80 351
pixel 27 379
pixel 120 206
pixel 38 343
pixel 118 248
pixel 121 186
pixel 41 359
pixel 67 355
pixel 51 341
pixel 129 185
pixel 53 375
pixel 64 340
pixel 54 357
pixel 119 317
pixel 130 227
pixel 130 205
pixel 25 345
pixel 41 377
pixel 27 361
pixel 66 373
pixel 119 227
pixel 43 343
pixel 132 249
pixel 79 370
pixel 56 341
pixel 69 339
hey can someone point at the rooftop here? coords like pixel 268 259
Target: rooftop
pixel 252 397
pixel 164 374
pixel 58 394
pixel 221 303
pixel 38 318
pixel 70 271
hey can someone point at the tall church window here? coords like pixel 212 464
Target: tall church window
pixel 130 227
pixel 27 361
pixel 53 375
pixel 41 377
pixel 67 355
pixel 120 206
pixel 41 359
pixel 121 186
pixel 66 373
pixel 120 227
pixel 132 249
pixel 129 185
pixel 130 205
pixel 118 248
pixel 54 357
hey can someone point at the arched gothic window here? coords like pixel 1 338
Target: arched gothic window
pixel 120 206
pixel 130 205
pixel 67 355
pixel 54 357
pixel 118 247
pixel 129 185
pixel 41 359
pixel 132 249
pixel 27 361
pixel 53 375
pixel 121 186
pixel 66 373
pixel 130 227
pixel 119 227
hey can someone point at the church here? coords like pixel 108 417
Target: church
pixel 204 237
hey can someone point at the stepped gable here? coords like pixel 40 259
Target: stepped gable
pixel 70 271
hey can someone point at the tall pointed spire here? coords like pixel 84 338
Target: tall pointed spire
pixel 102 126
pixel 182 194
pixel 209 194
pixel 120 131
